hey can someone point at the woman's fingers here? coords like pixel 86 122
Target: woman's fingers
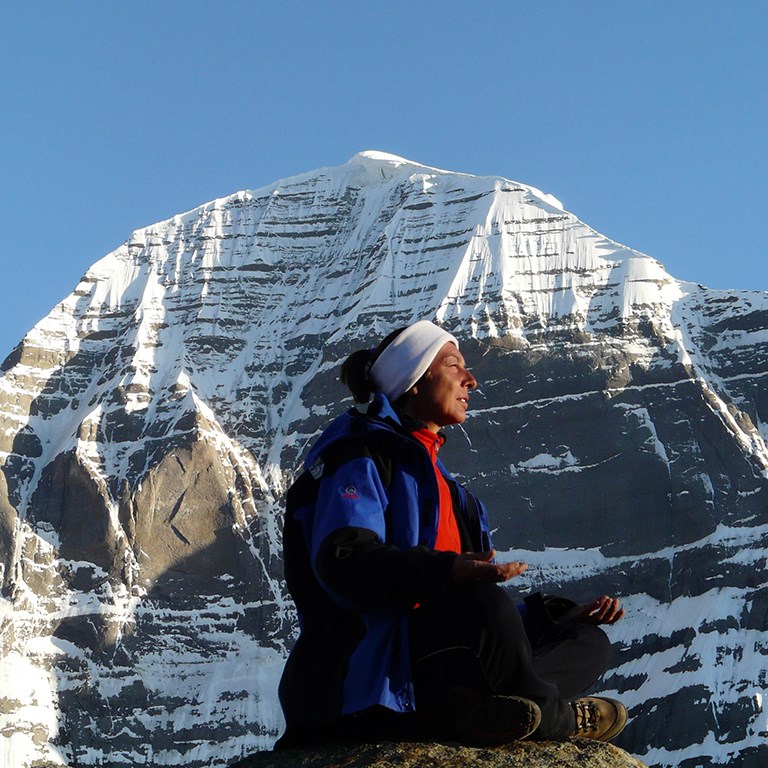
pixel 475 568
pixel 510 570
pixel 603 610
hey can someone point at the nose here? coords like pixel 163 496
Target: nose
pixel 470 382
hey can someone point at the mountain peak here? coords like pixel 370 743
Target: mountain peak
pixel 386 157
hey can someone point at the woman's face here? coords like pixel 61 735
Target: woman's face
pixel 441 396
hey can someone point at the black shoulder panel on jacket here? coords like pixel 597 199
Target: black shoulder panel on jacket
pixel 378 445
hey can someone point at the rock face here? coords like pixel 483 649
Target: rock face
pixel 526 754
pixel 150 425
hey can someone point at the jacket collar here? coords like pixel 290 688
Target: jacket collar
pixel 381 408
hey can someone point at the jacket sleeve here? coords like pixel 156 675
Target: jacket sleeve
pixel 349 552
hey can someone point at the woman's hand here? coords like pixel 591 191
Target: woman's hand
pixel 476 568
pixel 602 610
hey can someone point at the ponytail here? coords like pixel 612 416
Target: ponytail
pixel 354 370
pixel 354 374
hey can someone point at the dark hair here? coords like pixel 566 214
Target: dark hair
pixel 354 370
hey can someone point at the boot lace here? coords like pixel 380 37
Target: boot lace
pixel 586 716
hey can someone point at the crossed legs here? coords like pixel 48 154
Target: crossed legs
pixel 474 637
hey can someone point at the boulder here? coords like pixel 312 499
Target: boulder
pixel 575 753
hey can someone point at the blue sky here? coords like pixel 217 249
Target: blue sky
pixel 646 119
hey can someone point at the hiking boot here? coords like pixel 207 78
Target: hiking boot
pixel 500 720
pixel 599 718
pixel 480 720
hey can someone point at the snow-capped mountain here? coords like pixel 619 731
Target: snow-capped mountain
pixel 150 424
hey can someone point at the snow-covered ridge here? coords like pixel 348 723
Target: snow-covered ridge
pixel 210 296
pixel 508 220
pixel 341 250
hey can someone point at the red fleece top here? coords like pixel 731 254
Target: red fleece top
pixel 448 538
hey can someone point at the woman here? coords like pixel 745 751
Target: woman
pixel 404 629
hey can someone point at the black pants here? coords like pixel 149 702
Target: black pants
pixel 476 637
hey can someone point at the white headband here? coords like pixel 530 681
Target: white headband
pixel 406 359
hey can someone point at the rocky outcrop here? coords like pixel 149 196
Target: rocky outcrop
pixel 526 754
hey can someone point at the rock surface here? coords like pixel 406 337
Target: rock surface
pixel 577 753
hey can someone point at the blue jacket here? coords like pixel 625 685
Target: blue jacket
pixel 361 525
